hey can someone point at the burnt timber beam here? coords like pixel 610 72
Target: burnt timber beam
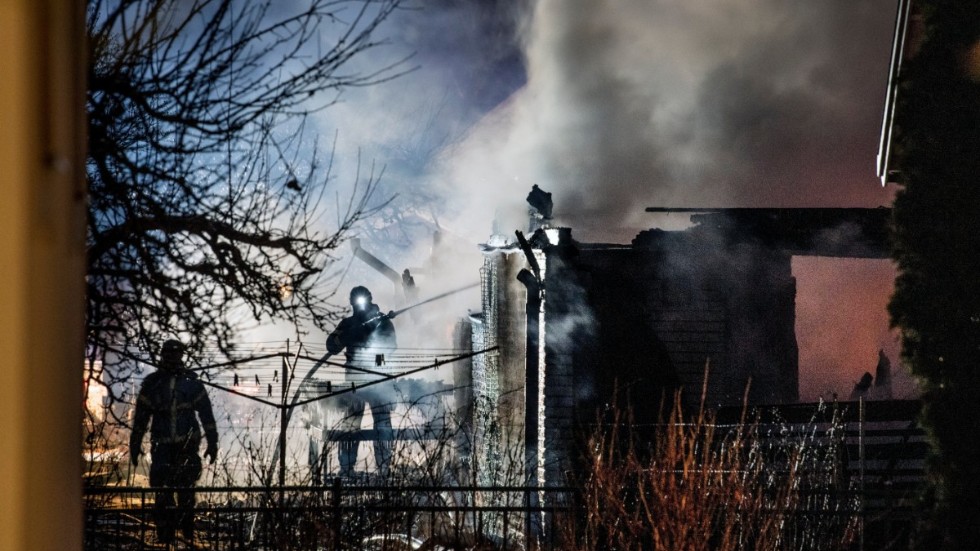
pixel 835 232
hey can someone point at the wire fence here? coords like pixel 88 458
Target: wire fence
pixel 335 517
pixel 880 463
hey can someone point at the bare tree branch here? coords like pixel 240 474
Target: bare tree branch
pixel 205 180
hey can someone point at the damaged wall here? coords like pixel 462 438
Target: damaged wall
pixel 627 324
pixel 498 378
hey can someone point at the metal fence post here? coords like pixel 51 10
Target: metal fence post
pixel 864 497
pixel 337 517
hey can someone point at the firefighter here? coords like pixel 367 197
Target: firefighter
pixel 365 337
pixel 174 399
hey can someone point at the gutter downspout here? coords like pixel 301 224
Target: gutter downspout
pixel 531 405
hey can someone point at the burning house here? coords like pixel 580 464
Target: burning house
pixel 582 325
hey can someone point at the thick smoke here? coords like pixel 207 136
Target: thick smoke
pixel 614 106
pixel 456 60
pixel 701 103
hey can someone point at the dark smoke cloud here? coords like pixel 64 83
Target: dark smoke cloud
pixel 631 104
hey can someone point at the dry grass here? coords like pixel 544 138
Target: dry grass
pixel 699 486
pixel 695 485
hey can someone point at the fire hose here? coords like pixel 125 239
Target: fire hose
pixel 376 319
pixel 309 374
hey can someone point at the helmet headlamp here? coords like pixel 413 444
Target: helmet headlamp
pixel 360 297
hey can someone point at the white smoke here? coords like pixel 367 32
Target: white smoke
pixel 631 104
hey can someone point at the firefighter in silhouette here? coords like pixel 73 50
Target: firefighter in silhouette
pixel 883 377
pixel 365 337
pixel 174 399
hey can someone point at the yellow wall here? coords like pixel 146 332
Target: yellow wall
pixel 42 248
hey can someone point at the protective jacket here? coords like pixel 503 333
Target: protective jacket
pixel 363 337
pixel 174 400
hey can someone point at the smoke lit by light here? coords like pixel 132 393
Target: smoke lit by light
pixel 285 288
pixel 841 323
pixel 615 106
pixel 552 234
pixel 95 393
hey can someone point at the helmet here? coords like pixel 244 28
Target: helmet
pixel 171 354
pixel 172 346
pixel 360 297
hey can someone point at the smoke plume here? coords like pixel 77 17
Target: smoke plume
pixel 700 103
pixel 614 106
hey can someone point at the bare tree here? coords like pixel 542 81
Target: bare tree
pixel 204 175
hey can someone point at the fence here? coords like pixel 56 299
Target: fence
pixel 882 456
pixel 335 517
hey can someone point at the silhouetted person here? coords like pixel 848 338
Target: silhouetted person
pixel 862 387
pixel 173 399
pixel 408 284
pixel 541 201
pixel 364 336
pixel 883 377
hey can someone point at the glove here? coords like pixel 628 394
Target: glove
pixel 211 453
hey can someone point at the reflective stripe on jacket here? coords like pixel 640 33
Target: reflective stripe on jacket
pixel 174 401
